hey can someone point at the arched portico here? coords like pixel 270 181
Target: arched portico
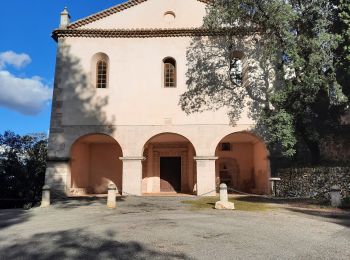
pixel 169 165
pixel 243 163
pixel 94 164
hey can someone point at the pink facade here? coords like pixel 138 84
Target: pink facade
pixel 114 120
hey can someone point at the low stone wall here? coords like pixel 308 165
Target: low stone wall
pixel 313 182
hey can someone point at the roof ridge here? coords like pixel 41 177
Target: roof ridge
pixel 109 11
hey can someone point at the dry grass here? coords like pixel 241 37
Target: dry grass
pixel 240 204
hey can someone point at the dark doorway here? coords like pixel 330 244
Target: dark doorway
pixel 170 174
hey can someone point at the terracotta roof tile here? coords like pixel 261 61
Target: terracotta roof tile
pixel 149 33
pixel 110 11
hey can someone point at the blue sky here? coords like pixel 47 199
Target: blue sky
pixel 27 58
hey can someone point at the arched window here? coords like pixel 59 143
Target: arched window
pixel 236 68
pixel 169 73
pixel 101 74
pixel 100 70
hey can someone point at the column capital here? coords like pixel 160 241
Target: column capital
pixel 205 158
pixel 132 158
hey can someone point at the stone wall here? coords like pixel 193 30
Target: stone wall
pixel 313 182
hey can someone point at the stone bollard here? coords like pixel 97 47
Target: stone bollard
pixel 45 197
pixel 223 192
pixel 335 196
pixel 224 203
pixel 111 196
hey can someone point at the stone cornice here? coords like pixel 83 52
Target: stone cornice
pixel 149 33
pixel 205 158
pixel 132 158
pixel 110 11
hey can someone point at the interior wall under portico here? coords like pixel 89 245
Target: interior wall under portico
pixel 151 174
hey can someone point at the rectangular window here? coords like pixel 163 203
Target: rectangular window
pixel 225 147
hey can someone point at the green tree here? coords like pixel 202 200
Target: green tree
pixel 342 28
pixel 22 165
pixel 295 96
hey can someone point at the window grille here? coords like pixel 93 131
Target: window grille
pixel 169 73
pixel 225 147
pixel 101 74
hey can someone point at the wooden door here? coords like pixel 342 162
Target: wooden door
pixel 170 174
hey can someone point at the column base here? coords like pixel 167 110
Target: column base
pixel 56 176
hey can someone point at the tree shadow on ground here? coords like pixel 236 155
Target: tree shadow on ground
pixel 79 244
pixel 9 217
pixel 310 207
pixel 290 202
pixel 259 199
pixel 340 218
pixel 74 202
pixel 279 200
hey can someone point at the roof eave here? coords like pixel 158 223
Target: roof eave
pixel 150 33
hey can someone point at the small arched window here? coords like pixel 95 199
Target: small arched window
pixel 236 68
pixel 100 67
pixel 101 73
pixel 169 73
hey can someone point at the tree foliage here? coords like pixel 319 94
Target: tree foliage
pixel 22 165
pixel 342 28
pixel 291 78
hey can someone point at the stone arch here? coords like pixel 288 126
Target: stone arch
pixel 94 163
pixel 174 133
pixel 252 158
pixel 169 164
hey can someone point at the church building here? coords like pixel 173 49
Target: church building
pixel 116 116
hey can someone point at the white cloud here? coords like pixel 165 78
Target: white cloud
pixel 14 59
pixel 26 95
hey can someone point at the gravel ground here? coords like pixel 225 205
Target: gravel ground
pixel 165 228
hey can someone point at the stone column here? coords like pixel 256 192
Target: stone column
pixel 206 175
pixel 132 175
